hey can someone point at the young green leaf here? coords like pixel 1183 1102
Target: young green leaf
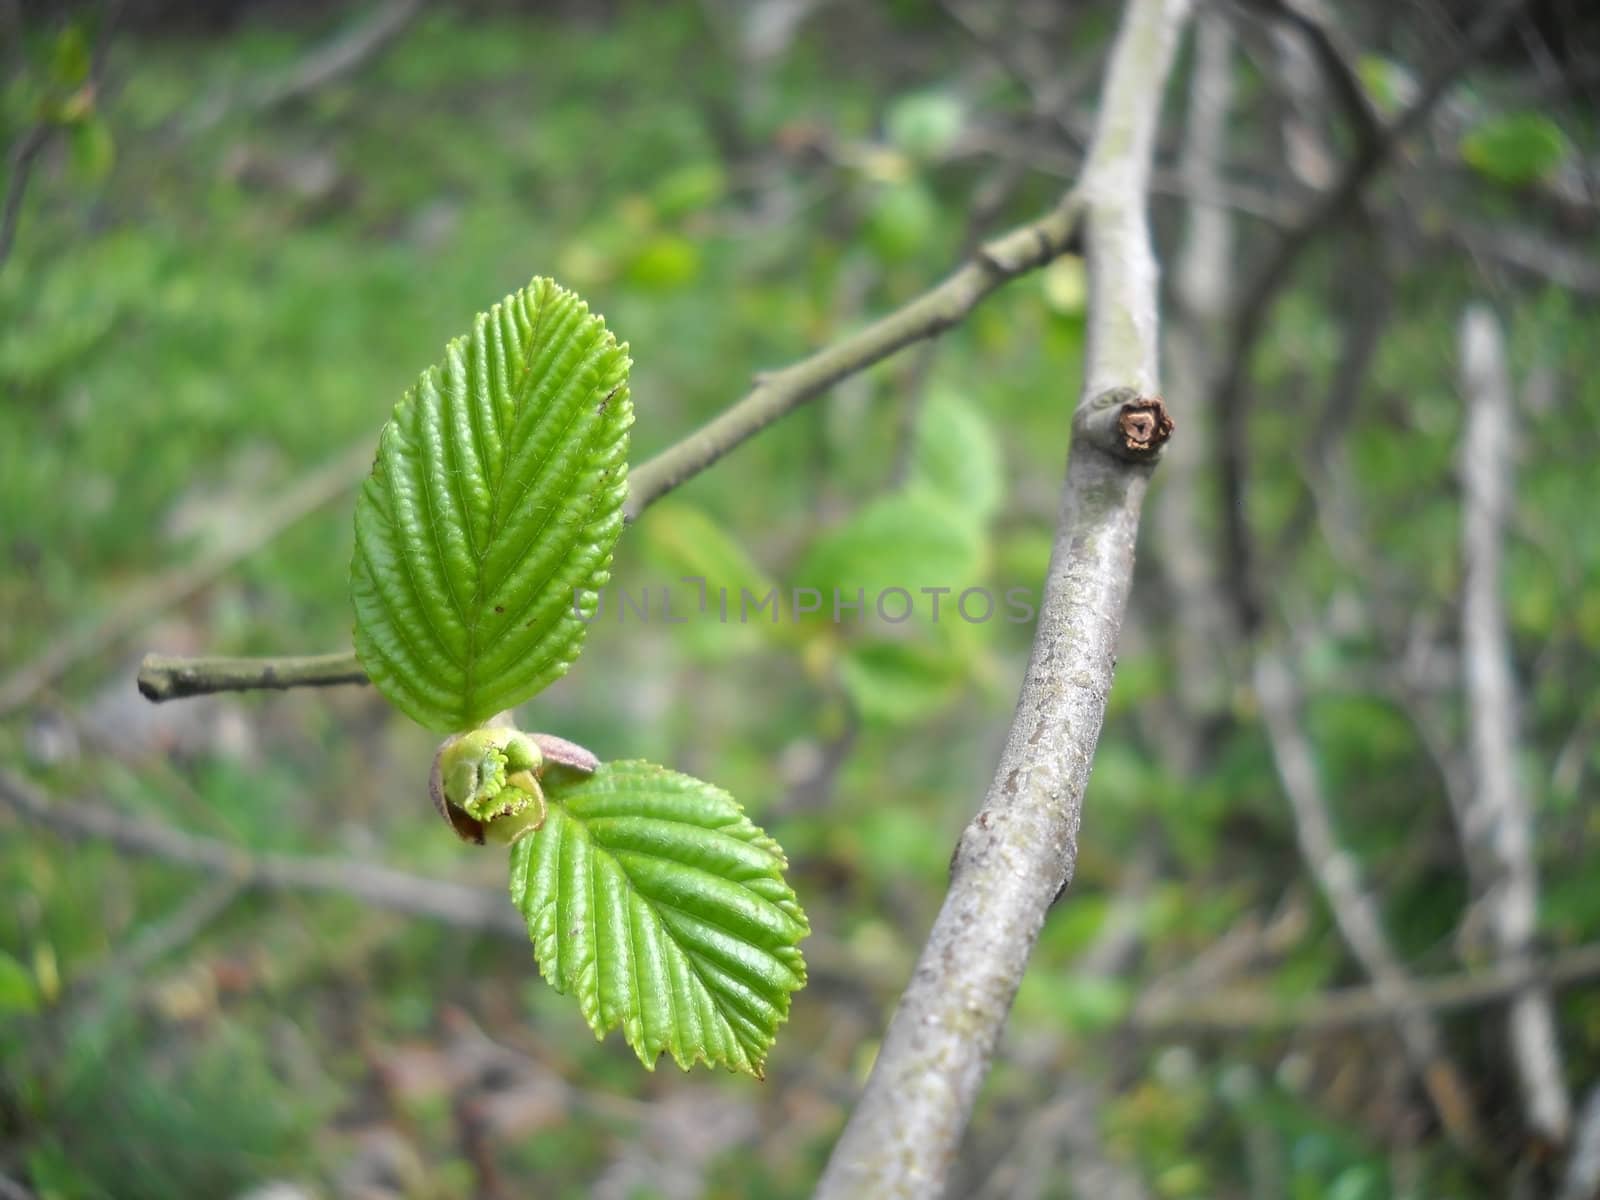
pixel 496 496
pixel 958 457
pixel 653 898
pixel 908 540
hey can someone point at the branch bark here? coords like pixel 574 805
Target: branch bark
pixel 1355 911
pixel 162 677
pixel 1497 827
pixel 1582 1178
pixel 1018 852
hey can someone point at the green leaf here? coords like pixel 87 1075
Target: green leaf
pixel 93 150
pixel 957 456
pixel 905 540
pixel 1517 149
pixel 895 683
pixel 902 221
pixel 686 539
pixel 652 898
pixel 925 124
pixel 496 497
pixel 687 543
pixel 18 991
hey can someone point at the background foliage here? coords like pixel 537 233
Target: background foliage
pixel 193 318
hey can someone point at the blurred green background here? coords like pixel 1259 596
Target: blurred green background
pixel 211 295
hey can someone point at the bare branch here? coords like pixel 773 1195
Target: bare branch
pixel 1496 827
pixel 996 262
pixel 382 887
pixel 1333 63
pixel 1355 912
pixel 1017 854
pixel 780 392
pixel 1582 1179
pixel 25 152
pixel 1234 1010
pixel 1232 384
pixel 1193 333
pixel 166 678
pixel 19 170
pixel 330 61
pixel 143 604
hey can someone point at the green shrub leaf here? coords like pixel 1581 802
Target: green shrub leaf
pixel 1515 149
pixel 651 897
pixel 904 540
pixel 496 496
pixel 896 683
pixel 958 457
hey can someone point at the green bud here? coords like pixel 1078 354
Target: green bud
pixel 486 782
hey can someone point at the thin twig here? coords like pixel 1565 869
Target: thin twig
pixel 19 169
pixel 457 904
pixel 162 677
pixel 327 63
pixel 1496 827
pixel 148 601
pixel 778 393
pixel 1231 386
pixel 1582 1178
pixel 25 153
pixel 1355 911
pixel 1021 250
pixel 1226 1011
pixel 1019 851
pixel 1334 64
pixel 1236 1011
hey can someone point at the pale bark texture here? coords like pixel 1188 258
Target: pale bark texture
pixel 1355 910
pixel 1193 331
pixel 1497 826
pixel 1018 852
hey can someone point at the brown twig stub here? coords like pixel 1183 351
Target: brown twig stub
pixel 1126 424
pixel 1144 426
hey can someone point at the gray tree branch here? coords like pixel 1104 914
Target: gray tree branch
pixel 382 887
pixel 1355 911
pixel 1582 1178
pixel 328 62
pixel 1018 852
pixel 1231 390
pixel 1496 826
pixel 1193 334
